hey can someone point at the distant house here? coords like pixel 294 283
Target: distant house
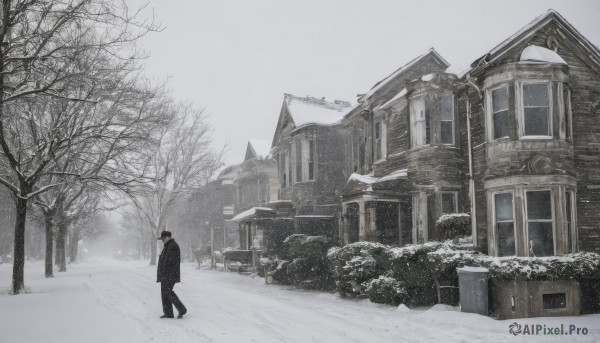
pixel 257 183
pixel 309 148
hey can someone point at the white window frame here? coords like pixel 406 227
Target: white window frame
pixel 521 102
pixel 526 219
pixel 455 195
pixel 574 238
pixel 495 222
pixel 302 160
pixel 443 120
pixel 490 112
pixel 413 123
pixel 381 146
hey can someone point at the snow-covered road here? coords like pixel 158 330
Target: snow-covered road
pixel 111 301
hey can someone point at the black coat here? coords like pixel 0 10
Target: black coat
pixel 168 263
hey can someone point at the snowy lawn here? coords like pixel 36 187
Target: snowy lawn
pixel 111 301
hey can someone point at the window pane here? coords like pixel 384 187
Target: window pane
pixel 504 207
pixel 506 239
pixel 448 203
pixel 500 99
pixel 540 239
pixel 378 130
pixel 535 95
pixel 418 118
pixel 539 205
pixel 446 132
pixel 446 107
pixel 501 124
pixel 536 121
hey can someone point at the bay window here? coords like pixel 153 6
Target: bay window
pixel 432 120
pixel 536 110
pixel 540 223
pixel 500 112
pixel 504 223
pixel 447 119
pixel 420 123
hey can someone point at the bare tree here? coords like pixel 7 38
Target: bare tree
pixel 181 162
pixel 62 50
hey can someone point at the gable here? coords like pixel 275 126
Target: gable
pixel 549 31
pixel 284 120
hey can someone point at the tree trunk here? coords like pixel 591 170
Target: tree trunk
pixel 49 237
pixel 153 250
pixel 18 280
pixel 74 245
pixel 61 247
pixel 62 238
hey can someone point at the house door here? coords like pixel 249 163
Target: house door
pixel 406 223
pixel 352 224
pixel 387 222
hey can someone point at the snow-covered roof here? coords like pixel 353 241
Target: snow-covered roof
pixel 262 148
pixel 251 212
pixel 400 94
pixel 316 111
pixel 534 53
pixel 370 179
pixel 400 70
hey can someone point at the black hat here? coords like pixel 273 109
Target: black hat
pixel 164 234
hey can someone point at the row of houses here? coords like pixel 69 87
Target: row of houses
pixel 514 141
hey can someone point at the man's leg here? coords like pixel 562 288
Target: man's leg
pixel 175 301
pixel 166 288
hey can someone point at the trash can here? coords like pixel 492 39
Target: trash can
pixel 473 289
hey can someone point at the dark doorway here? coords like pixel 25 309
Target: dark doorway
pixel 406 223
pixel 387 222
pixel 352 217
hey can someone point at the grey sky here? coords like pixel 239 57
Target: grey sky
pixel 237 58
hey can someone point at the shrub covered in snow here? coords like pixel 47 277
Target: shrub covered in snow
pixel 450 226
pixel 386 290
pixel 304 262
pixel 578 266
pixel 356 263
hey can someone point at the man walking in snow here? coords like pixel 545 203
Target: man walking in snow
pixel 168 274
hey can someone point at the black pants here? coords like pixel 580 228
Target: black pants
pixel 169 298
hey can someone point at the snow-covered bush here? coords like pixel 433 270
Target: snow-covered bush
pixel 450 226
pixel 305 262
pixel 356 263
pixel 386 290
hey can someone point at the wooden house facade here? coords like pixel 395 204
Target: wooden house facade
pixel 513 141
pixel 533 103
pixel 410 163
pixel 308 146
